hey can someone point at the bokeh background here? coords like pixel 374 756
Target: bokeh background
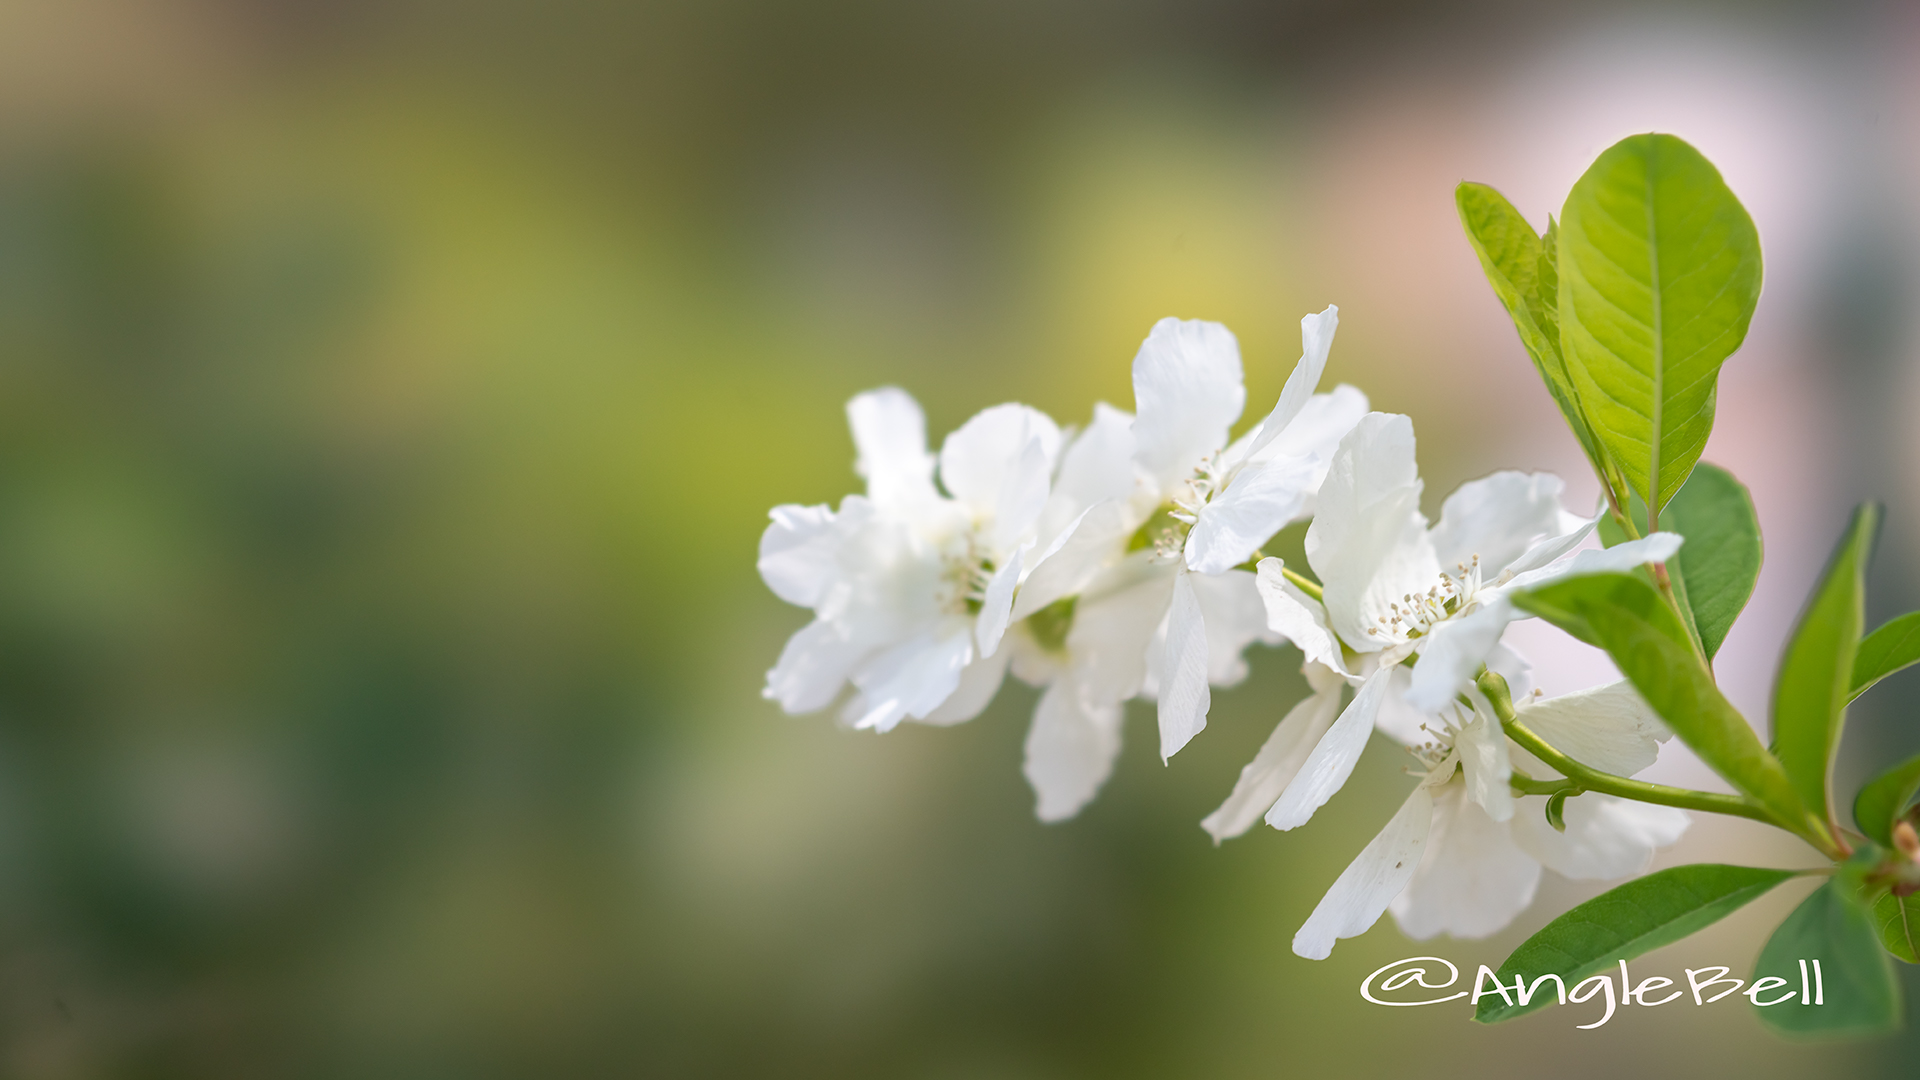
pixel 391 396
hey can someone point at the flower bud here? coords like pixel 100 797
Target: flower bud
pixel 1906 840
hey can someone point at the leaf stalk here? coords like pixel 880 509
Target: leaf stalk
pixel 1591 779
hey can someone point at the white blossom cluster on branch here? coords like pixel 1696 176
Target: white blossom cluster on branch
pixel 1123 561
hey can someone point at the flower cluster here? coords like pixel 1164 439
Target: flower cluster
pixel 1123 560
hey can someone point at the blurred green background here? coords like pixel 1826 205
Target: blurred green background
pixel 391 396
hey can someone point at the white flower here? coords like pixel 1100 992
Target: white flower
pixel 1280 757
pixel 1463 855
pixel 1221 502
pixel 1089 516
pixel 1099 624
pixel 1385 596
pixel 1105 644
pixel 1081 653
pixel 1264 778
pixel 1232 498
pixel 1083 620
pixel 911 589
pixel 1110 650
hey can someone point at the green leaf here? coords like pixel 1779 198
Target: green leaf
pixel 1857 991
pixel 1714 574
pixel 1884 798
pixel 1720 561
pixel 1509 251
pixel 1623 923
pixel 1549 313
pixel 1623 614
pixel 1810 692
pixel 1885 651
pixel 1898 920
pixel 1659 273
pixel 1525 279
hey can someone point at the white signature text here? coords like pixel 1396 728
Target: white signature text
pixel 1414 979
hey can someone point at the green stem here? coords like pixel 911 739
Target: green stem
pixel 1664 581
pixel 1305 584
pixel 1619 497
pixel 1618 509
pixel 1625 522
pixel 1523 784
pixel 1592 779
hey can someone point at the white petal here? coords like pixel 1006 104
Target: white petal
pixel 1368 541
pixel 1022 497
pixel 1091 542
pixel 812 667
pixel 1452 653
pixel 1605 838
pixel 979 681
pixel 912 678
pixel 1262 498
pixel 1333 757
pixel 1657 547
pixel 1070 750
pixel 1317 431
pixel 799 553
pixel 1611 727
pixel 1112 629
pixel 1485 766
pixel 1235 618
pixel 991 464
pixel 1573 531
pixel 997 603
pixel 1316 340
pixel 887 579
pixel 1297 617
pixel 1371 881
pixel 1473 880
pixel 1187 393
pixel 1497 518
pixel 1398 720
pixel 1184 697
pixel 1280 757
pixel 890 434
pixel 1096 467
pixel 1514 668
